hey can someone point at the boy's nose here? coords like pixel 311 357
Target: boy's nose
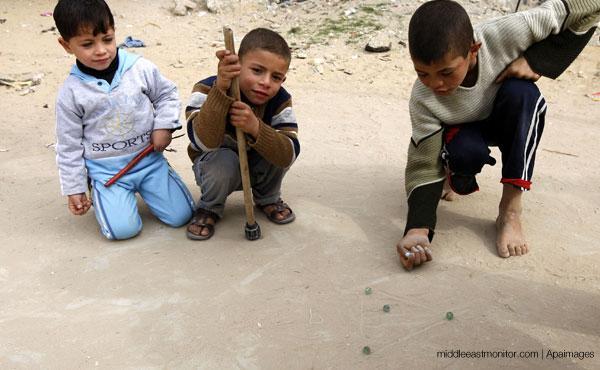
pixel 265 80
pixel 438 83
pixel 100 49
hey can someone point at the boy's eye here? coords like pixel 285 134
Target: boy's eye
pixel 447 73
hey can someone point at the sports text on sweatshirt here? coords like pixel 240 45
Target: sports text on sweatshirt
pixel 96 120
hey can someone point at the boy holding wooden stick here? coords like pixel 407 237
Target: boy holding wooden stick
pixel 266 117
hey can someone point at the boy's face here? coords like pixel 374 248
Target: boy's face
pixel 444 76
pixel 261 75
pixel 96 52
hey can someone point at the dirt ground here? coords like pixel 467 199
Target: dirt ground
pixel 296 298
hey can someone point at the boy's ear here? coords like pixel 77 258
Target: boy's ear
pixel 475 47
pixel 65 45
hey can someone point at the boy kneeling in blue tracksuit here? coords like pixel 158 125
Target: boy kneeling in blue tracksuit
pixel 110 108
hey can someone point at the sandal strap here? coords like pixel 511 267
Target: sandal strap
pixel 210 227
pixel 201 220
pixel 202 213
pixel 279 205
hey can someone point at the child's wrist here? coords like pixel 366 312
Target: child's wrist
pixel 256 130
pixel 221 86
pixel 418 231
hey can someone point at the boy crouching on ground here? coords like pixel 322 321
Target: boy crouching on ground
pixel 458 108
pixel 266 117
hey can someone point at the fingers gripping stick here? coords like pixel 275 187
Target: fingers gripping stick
pixel 252 229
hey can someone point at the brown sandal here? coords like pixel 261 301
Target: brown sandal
pixel 279 207
pixel 200 219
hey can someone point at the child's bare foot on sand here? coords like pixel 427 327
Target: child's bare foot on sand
pixel 447 193
pixel 510 240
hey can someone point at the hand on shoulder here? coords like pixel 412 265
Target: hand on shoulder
pixel 519 68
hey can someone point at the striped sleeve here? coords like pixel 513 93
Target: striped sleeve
pixel 555 16
pixel 278 142
pixel 206 115
pixel 582 15
pixel 424 164
pixel 509 36
pixel 424 172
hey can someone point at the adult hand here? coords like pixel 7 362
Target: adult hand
pixel 229 67
pixel 519 68
pixel 79 204
pixel 414 248
pixel 161 139
pixel 243 117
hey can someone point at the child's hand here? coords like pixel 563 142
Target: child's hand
pixel 79 204
pixel 229 68
pixel 161 139
pixel 519 68
pixel 242 116
pixel 414 248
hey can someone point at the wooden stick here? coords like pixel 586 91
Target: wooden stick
pixel 252 228
pixel 149 149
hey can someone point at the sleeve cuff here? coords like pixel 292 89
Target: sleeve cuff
pixel 553 55
pixel 422 207
pixel 171 127
pixel 217 101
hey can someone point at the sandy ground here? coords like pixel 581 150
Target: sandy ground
pixel 294 299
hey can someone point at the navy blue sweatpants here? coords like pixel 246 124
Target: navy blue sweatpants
pixel 515 126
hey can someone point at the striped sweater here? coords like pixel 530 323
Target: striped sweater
pixel 503 40
pixel 208 127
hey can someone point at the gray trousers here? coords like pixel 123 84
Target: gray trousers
pixel 218 175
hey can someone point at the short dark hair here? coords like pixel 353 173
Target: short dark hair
pixel 438 27
pixel 265 39
pixel 72 17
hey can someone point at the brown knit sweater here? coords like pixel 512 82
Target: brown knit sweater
pixel 209 129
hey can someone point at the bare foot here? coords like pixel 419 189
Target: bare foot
pixel 447 193
pixel 510 240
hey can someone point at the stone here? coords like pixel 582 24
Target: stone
pixel 301 55
pixel 182 6
pixel 380 43
pixel 216 6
